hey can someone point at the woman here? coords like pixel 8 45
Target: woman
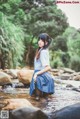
pixel 42 82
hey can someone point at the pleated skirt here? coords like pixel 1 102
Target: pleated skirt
pixel 44 82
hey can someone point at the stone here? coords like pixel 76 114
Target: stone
pixel 13 72
pixel 69 86
pixel 28 113
pixel 64 76
pixel 76 78
pixel 25 76
pixel 5 79
pixel 67 70
pixel 16 103
pixel 68 112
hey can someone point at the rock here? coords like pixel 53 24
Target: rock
pixel 67 70
pixel 5 79
pixel 69 86
pixel 64 76
pixel 72 83
pixel 76 89
pixel 69 112
pixel 56 72
pixel 76 78
pixel 2 104
pixel 28 113
pixel 25 76
pixel 19 85
pixel 13 72
pixel 16 103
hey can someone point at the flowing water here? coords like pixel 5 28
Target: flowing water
pixel 63 97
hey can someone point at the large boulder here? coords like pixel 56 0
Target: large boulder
pixel 16 103
pixel 5 79
pixel 28 113
pixel 25 75
pixel 69 112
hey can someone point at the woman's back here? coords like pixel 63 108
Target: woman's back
pixel 43 60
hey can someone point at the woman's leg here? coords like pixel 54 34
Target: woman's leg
pixel 45 94
pixel 38 94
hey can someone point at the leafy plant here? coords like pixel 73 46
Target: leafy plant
pixel 75 63
pixel 12 47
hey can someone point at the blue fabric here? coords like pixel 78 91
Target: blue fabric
pixel 44 83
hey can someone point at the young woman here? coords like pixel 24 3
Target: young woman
pixel 42 82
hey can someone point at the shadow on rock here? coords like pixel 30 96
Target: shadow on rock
pixel 69 112
pixel 27 113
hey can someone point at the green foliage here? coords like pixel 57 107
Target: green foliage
pixel 56 63
pixel 9 6
pixel 73 41
pixel 75 63
pixel 65 57
pixel 21 21
pixel 60 42
pixel 45 17
pixel 55 59
pixel 73 44
pixel 11 39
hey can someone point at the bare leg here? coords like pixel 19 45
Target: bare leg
pixel 38 94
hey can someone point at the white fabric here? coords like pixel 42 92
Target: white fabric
pixel 42 61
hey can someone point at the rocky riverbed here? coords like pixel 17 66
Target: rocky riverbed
pixel 67 92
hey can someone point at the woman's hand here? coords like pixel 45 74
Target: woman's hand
pixel 35 76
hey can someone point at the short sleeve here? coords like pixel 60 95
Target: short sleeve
pixel 44 58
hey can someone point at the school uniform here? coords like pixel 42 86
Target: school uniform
pixel 44 81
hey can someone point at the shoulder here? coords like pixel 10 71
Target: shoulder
pixel 44 51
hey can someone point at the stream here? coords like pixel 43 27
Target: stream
pixel 62 97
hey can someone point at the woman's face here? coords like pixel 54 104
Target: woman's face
pixel 40 43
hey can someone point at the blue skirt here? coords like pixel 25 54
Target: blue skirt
pixel 44 82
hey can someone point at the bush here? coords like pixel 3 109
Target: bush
pixel 75 63
pixel 56 63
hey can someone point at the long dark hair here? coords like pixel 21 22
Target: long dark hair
pixel 45 38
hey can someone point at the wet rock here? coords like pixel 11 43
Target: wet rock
pixel 76 89
pixel 69 112
pixel 25 76
pixel 28 113
pixel 5 79
pixel 69 86
pixel 19 85
pixel 16 103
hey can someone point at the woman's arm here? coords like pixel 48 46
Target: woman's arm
pixel 47 68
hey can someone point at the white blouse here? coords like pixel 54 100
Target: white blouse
pixel 43 60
